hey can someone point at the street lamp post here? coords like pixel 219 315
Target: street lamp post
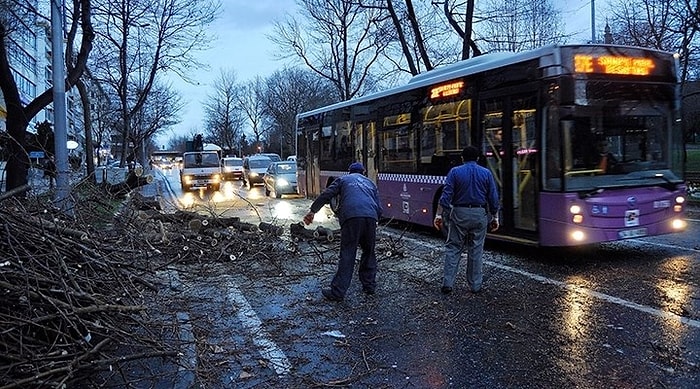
pixel 592 21
pixel 62 194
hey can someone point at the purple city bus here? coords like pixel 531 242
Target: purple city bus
pixel 583 140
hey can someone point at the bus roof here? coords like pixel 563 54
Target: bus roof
pixel 462 68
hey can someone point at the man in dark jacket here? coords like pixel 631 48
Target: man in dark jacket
pixel 470 198
pixel 358 212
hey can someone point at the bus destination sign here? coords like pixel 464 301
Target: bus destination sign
pixel 445 90
pixel 612 64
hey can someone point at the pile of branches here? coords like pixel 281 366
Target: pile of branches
pixel 75 286
pixel 68 301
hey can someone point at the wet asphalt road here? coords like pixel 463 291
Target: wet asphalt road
pixel 619 315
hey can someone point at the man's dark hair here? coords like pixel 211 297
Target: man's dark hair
pixel 470 153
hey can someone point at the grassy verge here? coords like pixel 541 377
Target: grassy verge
pixel 693 163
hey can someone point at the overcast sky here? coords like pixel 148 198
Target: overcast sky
pixel 241 44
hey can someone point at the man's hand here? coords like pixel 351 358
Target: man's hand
pixel 493 225
pixel 438 222
pixel 308 218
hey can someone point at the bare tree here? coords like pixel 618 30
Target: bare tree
pixel 250 100
pixel 161 111
pixel 517 25
pixel 339 40
pixel 179 142
pixel 670 25
pixel 16 14
pixel 223 114
pixel 287 93
pixel 410 32
pixel 460 17
pixel 140 39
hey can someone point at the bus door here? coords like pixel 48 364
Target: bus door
pixel 364 139
pixel 313 170
pixel 510 146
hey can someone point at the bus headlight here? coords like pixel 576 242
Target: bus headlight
pixel 680 200
pixel 578 235
pixel 678 224
pixel 576 211
pixel 216 178
pixel 187 179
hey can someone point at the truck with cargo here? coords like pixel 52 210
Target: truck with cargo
pixel 201 170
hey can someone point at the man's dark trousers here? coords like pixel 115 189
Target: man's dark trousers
pixel 356 231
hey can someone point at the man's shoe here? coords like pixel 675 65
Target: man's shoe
pixel 368 291
pixel 446 290
pixel 328 294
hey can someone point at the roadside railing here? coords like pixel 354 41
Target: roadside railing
pixel 692 179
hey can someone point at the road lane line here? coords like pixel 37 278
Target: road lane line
pixel 188 352
pixel 580 289
pixel 670 246
pixel 246 314
pixel 601 296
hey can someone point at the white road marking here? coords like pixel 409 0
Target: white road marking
pixel 670 246
pixel 601 296
pixel 580 289
pixel 251 322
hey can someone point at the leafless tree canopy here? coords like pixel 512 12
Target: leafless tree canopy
pixel 516 25
pixel 139 40
pixel 288 92
pixel 250 101
pixel 339 40
pixel 223 115
pixel 664 25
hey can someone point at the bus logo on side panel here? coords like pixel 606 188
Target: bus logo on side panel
pixel 632 218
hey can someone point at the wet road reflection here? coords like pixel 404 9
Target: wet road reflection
pixel 624 314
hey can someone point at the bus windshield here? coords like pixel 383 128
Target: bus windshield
pixel 628 147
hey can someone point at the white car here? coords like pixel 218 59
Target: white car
pixel 232 168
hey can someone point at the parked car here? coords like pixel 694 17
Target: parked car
pixel 116 165
pixel 281 178
pixel 232 168
pixel 254 167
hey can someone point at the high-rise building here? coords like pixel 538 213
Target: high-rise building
pixel 30 57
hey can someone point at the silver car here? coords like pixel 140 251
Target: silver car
pixel 254 167
pixel 281 178
pixel 232 168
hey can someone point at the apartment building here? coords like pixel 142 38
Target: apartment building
pixel 30 57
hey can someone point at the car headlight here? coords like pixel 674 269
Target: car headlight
pixel 253 174
pixel 282 182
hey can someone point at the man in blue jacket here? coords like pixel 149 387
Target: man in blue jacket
pixel 358 212
pixel 470 198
